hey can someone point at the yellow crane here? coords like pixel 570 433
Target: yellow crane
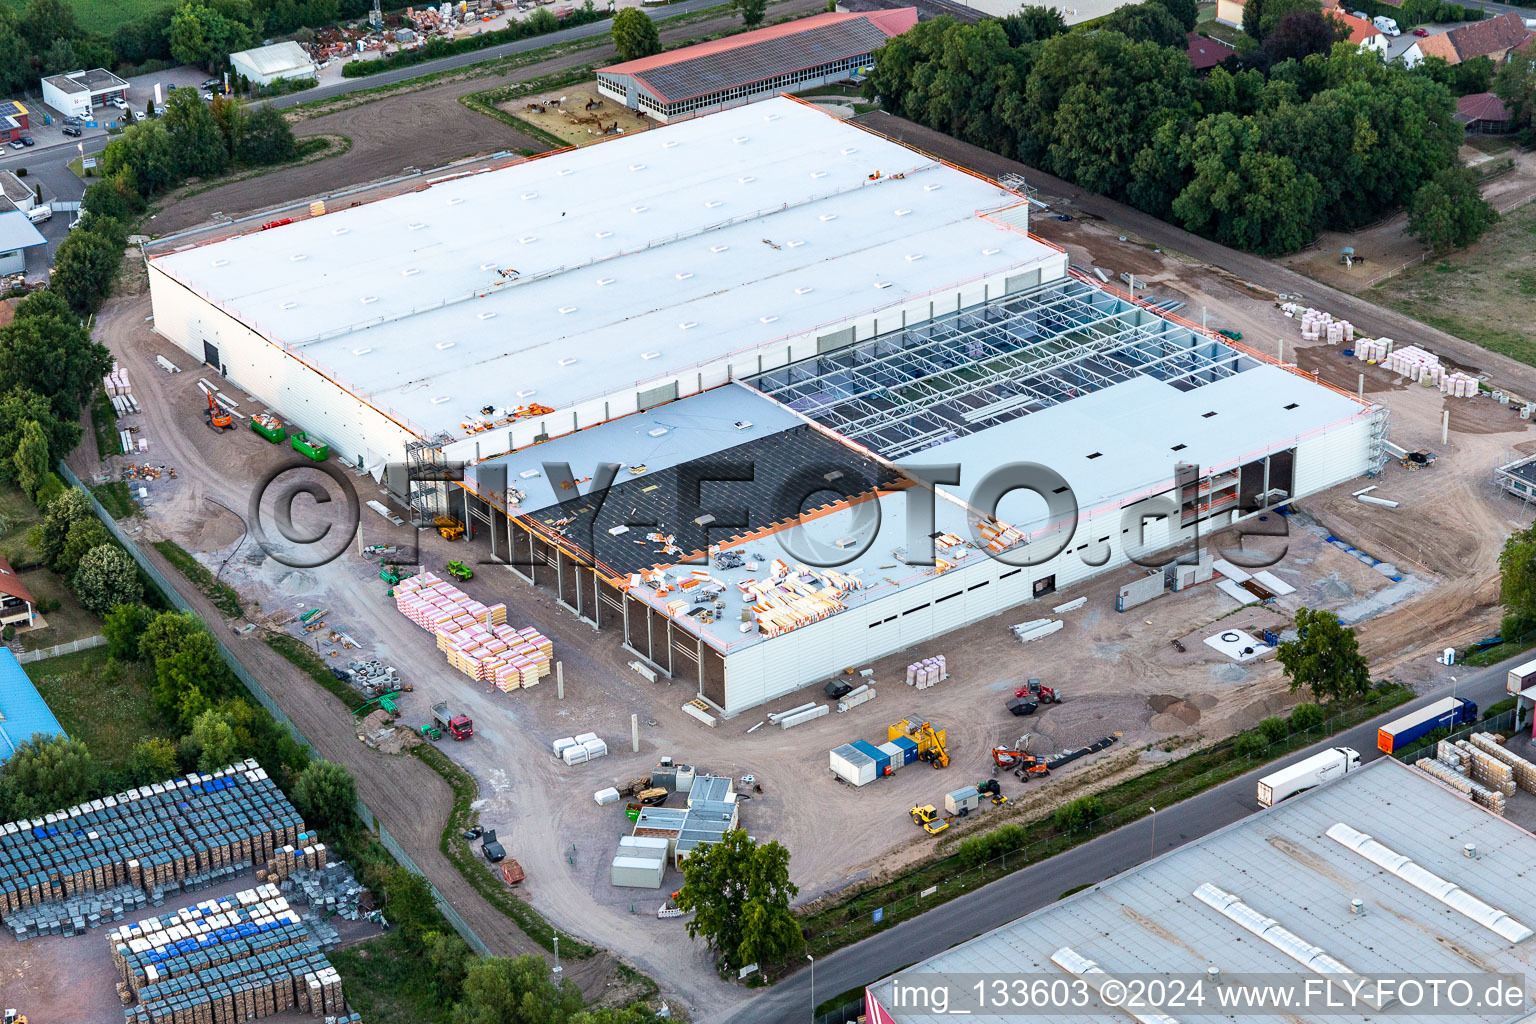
pixel 930 741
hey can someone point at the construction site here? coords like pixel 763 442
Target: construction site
pixel 244 948
pixel 817 672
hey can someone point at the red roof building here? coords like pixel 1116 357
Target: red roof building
pixel 739 69
pixel 1484 114
pixel 1205 53
pixel 16 601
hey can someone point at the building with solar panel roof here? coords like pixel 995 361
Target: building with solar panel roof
pixel 684 370
pixel 754 65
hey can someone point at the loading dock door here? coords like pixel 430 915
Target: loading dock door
pixel 211 355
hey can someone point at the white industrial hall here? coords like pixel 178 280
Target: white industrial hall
pixel 757 315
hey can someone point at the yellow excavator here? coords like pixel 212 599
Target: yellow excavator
pixel 12 1017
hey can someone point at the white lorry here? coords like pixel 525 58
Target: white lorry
pixel 40 214
pixel 1387 25
pixel 1303 775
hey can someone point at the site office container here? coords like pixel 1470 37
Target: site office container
pixel 852 765
pixel 1442 714
pixel 1521 677
pixel 881 758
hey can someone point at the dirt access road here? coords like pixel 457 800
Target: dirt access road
pixel 423 128
pixel 172 421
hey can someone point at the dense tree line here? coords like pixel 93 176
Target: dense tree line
pixel 1260 155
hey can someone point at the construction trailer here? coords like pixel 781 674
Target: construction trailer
pixel 852 322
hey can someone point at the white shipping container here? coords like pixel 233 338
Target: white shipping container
pixel 893 751
pixel 595 748
pixel 560 745
pixel 574 755
pixel 606 796
pixel 586 737
pixel 852 765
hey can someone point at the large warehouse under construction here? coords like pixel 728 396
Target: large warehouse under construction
pixel 754 319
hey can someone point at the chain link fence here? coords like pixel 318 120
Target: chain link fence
pixel 263 698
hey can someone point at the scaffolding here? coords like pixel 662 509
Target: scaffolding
pixel 428 497
pixel 920 386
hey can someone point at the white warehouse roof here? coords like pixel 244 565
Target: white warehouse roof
pixel 1299 865
pixel 575 276
pixel 274 59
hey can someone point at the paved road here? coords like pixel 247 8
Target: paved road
pixel 1374 321
pixel 1038 885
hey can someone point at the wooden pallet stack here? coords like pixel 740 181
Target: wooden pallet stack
pixel 1479 794
pixel 1524 772
pixel 475 637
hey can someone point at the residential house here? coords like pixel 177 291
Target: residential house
pixel 17 235
pixel 1205 53
pixel 17 606
pixel 1484 114
pixel 15 194
pixel 1492 38
pixel 1361 32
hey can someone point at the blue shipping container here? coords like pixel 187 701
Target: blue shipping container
pixel 908 748
pixel 882 760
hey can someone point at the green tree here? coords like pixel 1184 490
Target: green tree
pixel 59 58
pixel 107 576
pixel 325 795
pixel 195 135
pixel 1325 657
pixel 45 774
pixel 1241 195
pixel 498 990
pixel 409 904
pixel 62 513
pixel 84 268
pixel 123 627
pixel 229 114
pixel 1517 580
pixel 450 957
pixel 44 21
pixel 1515 84
pixel 634 34
pixel 1076 815
pixel 31 459
pixel 53 354
pixel 1261 16
pixel 1031 24
pixel 152 760
pixel 1302 33
pixel 1148 22
pixel 84 536
pixel 20 406
pixel 15 57
pixel 168 634
pixel 739 892
pixel 200 34
pixel 1450 211
pixel 266 138
pixel 141 158
pixel 210 741
pixel 187 681
pixel 751 11
pixel 107 199
pixel 1186 11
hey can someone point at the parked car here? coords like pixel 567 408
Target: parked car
pixel 212 83
pixel 1360 14
pixel 27 140
pixel 73 129
pixel 16 144
pixel 1421 32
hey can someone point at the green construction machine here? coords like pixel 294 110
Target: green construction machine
pixel 393 574
pixel 460 571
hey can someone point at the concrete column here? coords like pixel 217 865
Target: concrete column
pixel 1280 349
pixel 634 733
pixel 1445 427
pixel 560 680
pixel 1360 388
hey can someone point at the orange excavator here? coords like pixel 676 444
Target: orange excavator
pixel 217 416
pixel 1022 763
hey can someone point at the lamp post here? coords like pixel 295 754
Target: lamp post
pixel 1154 830
pixel 813 986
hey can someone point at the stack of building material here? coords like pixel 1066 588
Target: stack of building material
pixel 474 636
pixel 1486 769
pixel 789 721
pixel 1316 325
pixel 928 672
pixel 791 598
pixel 584 748
pixel 1459 385
pixel 853 698
pixel 1523 770
pixel 1034 629
pixel 1492 799
pixel 237 958
pixel 331 889
pixel 1377 351
pixel 304 854
pixel 1414 363
pixel 182 834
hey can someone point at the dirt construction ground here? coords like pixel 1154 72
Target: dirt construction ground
pixel 1118 672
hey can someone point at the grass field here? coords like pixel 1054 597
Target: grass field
pixel 68 622
pixel 1485 293
pixel 101 16
pixel 74 689
pixel 17 517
